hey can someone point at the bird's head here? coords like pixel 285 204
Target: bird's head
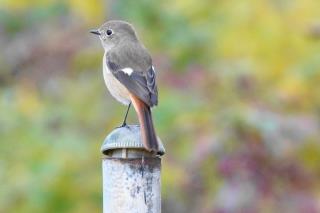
pixel 112 33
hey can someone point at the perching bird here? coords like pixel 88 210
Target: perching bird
pixel 130 76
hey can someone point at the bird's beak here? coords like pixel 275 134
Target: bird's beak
pixel 96 32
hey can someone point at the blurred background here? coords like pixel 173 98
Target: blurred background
pixel 239 103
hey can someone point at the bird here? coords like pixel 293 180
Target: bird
pixel 130 76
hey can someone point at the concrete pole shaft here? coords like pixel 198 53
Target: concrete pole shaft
pixel 131 185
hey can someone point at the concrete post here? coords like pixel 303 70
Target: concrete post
pixel 131 175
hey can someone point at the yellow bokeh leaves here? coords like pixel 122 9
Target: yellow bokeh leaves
pixel 92 12
pixel 28 102
pixel 19 5
pixel 292 86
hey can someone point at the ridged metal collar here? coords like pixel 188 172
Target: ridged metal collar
pixel 128 137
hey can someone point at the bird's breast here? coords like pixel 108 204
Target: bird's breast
pixel 115 87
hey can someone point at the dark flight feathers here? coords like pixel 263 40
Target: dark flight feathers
pixel 141 82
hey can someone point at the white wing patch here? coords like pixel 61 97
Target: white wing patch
pixel 127 70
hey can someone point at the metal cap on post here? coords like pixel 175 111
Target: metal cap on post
pixel 131 175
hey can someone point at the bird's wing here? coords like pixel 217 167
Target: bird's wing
pixel 138 82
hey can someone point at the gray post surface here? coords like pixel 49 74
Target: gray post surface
pixel 131 175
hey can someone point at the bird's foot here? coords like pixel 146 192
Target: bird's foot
pixel 123 125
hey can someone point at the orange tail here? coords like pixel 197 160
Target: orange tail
pixel 148 133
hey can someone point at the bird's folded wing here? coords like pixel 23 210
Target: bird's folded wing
pixel 141 84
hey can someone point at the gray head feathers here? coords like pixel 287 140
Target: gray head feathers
pixel 114 32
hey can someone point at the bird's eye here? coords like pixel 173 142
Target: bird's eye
pixel 109 32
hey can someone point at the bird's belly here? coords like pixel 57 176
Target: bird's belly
pixel 117 90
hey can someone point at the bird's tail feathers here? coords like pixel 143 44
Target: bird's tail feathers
pixel 148 133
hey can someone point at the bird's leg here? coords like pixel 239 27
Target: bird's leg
pixel 125 117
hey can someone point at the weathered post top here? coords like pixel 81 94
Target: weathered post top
pixel 126 139
pixel 131 175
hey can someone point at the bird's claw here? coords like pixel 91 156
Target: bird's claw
pixel 123 125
